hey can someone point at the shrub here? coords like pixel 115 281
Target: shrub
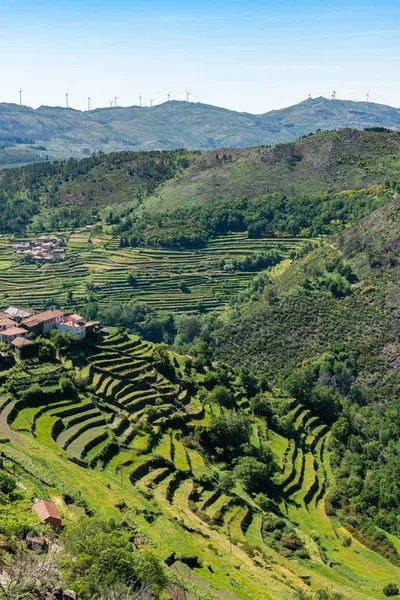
pixel 7 483
pixel 391 589
pixel 346 541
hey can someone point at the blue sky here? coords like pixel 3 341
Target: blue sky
pixel 249 56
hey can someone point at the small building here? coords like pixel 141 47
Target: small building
pixel 18 314
pixel 91 326
pixel 6 323
pixel 44 322
pixel 48 513
pixel 9 335
pixel 18 342
pixel 73 324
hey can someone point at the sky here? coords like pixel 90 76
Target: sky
pixel 252 56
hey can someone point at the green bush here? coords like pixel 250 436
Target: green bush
pixel 391 589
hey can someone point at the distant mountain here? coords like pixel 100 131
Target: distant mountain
pixel 28 135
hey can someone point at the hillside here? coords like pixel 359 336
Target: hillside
pixel 66 194
pixel 327 328
pixel 28 135
pixel 106 429
pixel 257 454
pixel 323 163
pixel 342 292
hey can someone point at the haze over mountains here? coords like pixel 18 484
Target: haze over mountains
pixel 29 135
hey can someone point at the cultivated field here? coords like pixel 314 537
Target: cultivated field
pixel 122 443
pixel 173 280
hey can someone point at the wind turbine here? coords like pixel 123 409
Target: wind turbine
pixel 169 96
pixel 115 101
pixel 66 100
pixel 368 95
pixel 88 103
pixel 141 101
pixel 111 102
pixel 333 95
pixel 187 95
pixel 151 101
pixel 20 97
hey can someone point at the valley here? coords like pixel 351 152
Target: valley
pixel 228 423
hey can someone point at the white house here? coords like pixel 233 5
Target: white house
pixel 73 324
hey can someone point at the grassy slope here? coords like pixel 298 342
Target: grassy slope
pixel 326 162
pixel 177 525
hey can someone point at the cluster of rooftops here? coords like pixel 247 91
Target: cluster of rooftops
pixel 43 249
pixel 16 324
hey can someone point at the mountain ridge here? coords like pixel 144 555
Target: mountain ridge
pixel 30 135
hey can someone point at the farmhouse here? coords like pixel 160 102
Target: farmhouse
pixel 73 324
pixel 9 335
pixel 14 335
pixel 44 322
pixel 48 513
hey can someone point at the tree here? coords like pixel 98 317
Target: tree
pixel 162 360
pixel 253 474
pixel 99 553
pixel 62 341
pixel 221 395
pixel 132 278
pixel 189 329
pixel 226 434
pixel 249 382
pixel 30 575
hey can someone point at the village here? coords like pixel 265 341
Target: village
pixel 44 249
pixel 17 323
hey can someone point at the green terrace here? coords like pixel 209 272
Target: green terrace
pixel 173 280
pixel 126 438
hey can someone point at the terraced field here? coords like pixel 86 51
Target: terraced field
pixel 124 442
pixel 173 280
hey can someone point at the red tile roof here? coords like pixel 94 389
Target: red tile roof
pixel 20 341
pixel 13 331
pixel 45 509
pixel 42 317
pixel 72 318
pixel 4 321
